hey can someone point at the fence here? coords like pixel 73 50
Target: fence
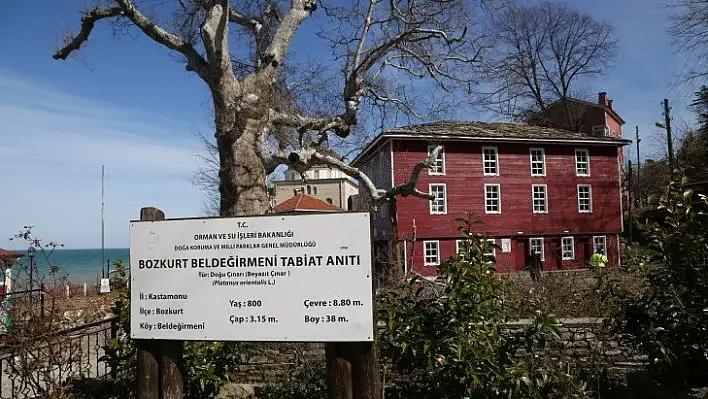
pixel 26 371
pixel 72 290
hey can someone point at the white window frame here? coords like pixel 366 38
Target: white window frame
pixel 433 202
pixel 543 247
pixel 587 162
pixel 545 198
pixel 572 248
pixel 440 158
pixel 577 192
pixel 594 244
pixel 543 161
pixel 486 210
pixel 425 253
pixel 494 252
pixel 458 247
pixel 496 161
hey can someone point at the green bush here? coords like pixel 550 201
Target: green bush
pixel 455 343
pixel 668 319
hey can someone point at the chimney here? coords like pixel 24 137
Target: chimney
pixel 609 104
pixel 602 98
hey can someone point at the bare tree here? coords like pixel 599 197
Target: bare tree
pixel 689 30
pixel 240 51
pixel 541 54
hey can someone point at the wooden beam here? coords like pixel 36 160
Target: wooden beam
pixel 159 361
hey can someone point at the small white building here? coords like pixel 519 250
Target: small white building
pixel 322 182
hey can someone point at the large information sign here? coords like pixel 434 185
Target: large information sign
pixel 262 278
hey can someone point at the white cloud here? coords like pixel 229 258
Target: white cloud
pixel 52 146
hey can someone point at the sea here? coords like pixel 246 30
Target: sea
pixel 80 265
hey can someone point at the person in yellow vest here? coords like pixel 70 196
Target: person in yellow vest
pixel 599 260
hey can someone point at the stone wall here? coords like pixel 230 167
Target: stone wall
pixel 273 360
pixel 585 345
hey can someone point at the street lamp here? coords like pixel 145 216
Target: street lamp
pixel 31 252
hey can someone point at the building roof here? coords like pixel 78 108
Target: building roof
pixel 607 109
pixel 10 255
pixel 491 131
pixel 305 203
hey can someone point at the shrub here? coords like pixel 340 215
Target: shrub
pixel 456 344
pixel 668 319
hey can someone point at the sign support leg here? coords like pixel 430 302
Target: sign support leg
pixel 339 370
pixel 366 379
pixel 159 361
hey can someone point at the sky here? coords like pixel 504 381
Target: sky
pixel 126 103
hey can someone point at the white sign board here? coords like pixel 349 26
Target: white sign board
pixel 506 244
pixel 262 278
pixel 105 286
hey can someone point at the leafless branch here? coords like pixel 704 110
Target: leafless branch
pixel 541 52
pixel 195 62
pixel 689 30
pixel 87 23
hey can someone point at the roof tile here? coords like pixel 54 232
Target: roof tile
pixel 497 130
pixel 305 203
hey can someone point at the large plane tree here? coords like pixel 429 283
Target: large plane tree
pixel 379 50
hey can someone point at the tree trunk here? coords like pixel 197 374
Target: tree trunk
pixel 242 178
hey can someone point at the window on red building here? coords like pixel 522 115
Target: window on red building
pixel 491 251
pixel 584 198
pixel 540 199
pixel 567 248
pixel 599 244
pixel 492 198
pixel 582 162
pixel 438 167
pixel 490 159
pixel 432 253
pixel 438 206
pixel 538 162
pixel 536 247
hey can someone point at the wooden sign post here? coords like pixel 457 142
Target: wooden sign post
pixel 352 367
pixel 159 361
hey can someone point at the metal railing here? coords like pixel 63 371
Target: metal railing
pixel 29 369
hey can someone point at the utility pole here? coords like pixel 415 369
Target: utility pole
pixel 629 219
pixel 667 124
pixel 639 182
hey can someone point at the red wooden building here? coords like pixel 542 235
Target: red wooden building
pixel 552 191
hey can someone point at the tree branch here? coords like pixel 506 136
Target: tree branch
pixel 251 24
pixel 195 62
pixel 336 123
pixel 87 23
pixel 127 8
pixel 215 36
pixel 278 47
pixel 380 196
pixel 308 156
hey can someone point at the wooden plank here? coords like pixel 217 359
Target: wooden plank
pixel 339 370
pixel 159 361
